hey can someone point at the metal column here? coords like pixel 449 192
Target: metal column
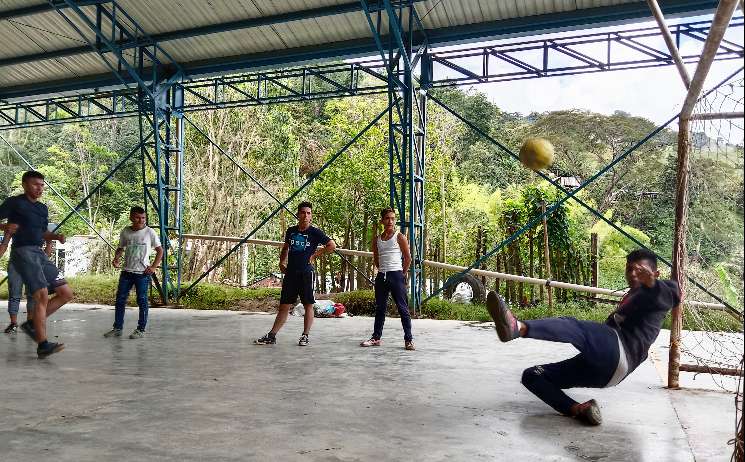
pixel 407 132
pixel 127 50
pixel 162 178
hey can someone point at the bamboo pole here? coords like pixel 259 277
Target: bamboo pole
pixel 456 268
pixel 719 24
pixel 711 370
pixel 717 115
pixel 672 48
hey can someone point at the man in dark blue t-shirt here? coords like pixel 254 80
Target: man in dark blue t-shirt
pixel 27 221
pixel 296 262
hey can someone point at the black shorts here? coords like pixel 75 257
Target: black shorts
pixel 297 284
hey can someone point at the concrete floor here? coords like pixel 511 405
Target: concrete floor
pixel 198 389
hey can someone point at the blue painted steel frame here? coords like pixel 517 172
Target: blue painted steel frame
pixel 406 127
pixel 159 105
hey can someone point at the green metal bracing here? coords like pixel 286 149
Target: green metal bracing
pixel 133 56
pixel 407 122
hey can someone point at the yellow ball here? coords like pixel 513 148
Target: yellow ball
pixel 537 153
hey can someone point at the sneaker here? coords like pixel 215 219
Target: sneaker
pixel 137 333
pixel 589 413
pixel 28 328
pixel 266 340
pixel 371 342
pixel 504 321
pixel 49 349
pixel 113 333
pixel 303 340
pixel 409 345
pixel 11 329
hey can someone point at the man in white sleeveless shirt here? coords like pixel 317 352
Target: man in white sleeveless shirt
pixel 392 258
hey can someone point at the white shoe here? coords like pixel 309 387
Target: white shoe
pixel 113 333
pixel 137 333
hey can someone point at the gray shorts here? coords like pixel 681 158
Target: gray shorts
pixel 37 272
pixel 15 292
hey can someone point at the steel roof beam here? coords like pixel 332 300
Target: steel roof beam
pixel 370 76
pixel 198 31
pixel 361 47
pixel 43 8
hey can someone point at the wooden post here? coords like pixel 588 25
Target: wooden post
pixel 499 269
pixel 479 232
pixel 679 250
pixel 722 17
pixel 483 252
pixel 244 265
pixel 547 258
pixel 444 238
pixel 594 258
pixel 531 272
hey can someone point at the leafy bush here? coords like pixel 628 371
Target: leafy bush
pixel 101 289
pixel 219 297
pixel 445 309
pixel 358 302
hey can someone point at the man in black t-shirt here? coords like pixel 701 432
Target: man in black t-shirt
pixel 28 220
pixel 608 352
pixel 296 262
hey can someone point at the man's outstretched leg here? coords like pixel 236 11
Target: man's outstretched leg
pixel 592 368
pixel 597 342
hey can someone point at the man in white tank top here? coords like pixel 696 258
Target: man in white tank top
pixel 392 257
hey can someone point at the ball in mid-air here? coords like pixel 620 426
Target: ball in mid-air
pixel 537 153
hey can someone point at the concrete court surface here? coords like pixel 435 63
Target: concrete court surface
pixel 197 389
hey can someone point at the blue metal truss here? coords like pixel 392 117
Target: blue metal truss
pixel 612 50
pixel 128 51
pixel 407 122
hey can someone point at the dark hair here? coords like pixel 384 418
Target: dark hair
pixel 136 209
pixel 31 174
pixel 642 254
pixel 303 205
pixel 385 212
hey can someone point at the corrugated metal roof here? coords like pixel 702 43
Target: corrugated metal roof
pixel 44 32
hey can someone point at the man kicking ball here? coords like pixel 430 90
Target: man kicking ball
pixel 608 352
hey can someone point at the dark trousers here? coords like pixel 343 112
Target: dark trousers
pixel 593 367
pixel 392 282
pixel 141 283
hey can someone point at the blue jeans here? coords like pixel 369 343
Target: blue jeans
pixel 141 282
pixel 392 282
pixel 15 292
pixel 593 367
